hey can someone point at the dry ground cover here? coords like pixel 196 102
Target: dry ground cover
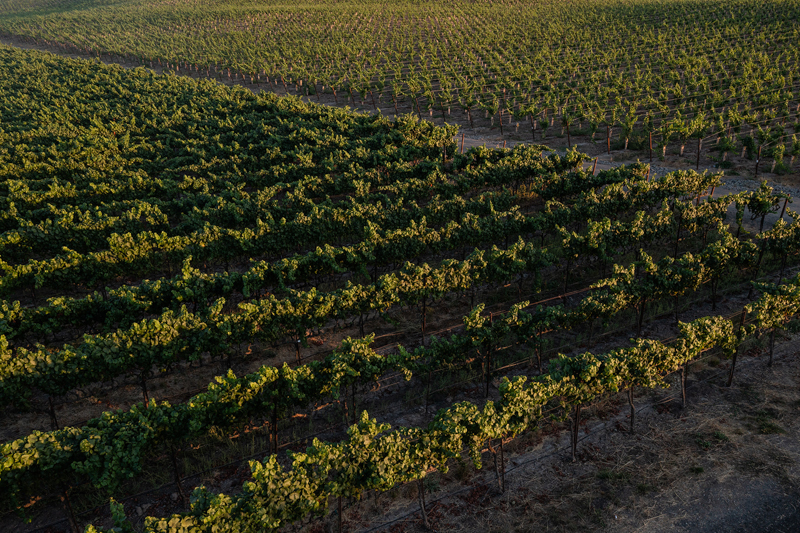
pixel 728 461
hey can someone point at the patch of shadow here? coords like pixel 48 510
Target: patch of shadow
pixel 741 505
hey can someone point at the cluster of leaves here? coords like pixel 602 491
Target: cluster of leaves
pixel 374 457
pixel 178 334
pixel 110 449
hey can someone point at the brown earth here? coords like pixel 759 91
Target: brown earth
pixel 728 462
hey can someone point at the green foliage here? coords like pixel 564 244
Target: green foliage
pixel 373 457
pixel 108 176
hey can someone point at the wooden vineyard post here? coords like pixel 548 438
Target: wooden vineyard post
pixel 73 522
pixel 500 116
pixel 684 369
pixel 488 359
pixel 273 427
pixel 758 159
pixel 608 139
pixel 783 268
pixel 177 474
pixel 424 312
pixel 699 147
pixel 633 409
pixel 353 402
pixel 771 345
pixel 783 211
pixel 539 354
pixel 736 352
pixel 53 419
pixel 339 514
pixel 502 467
pixel 594 167
pixel 143 377
pixel 640 322
pixel 421 495
pixel 428 392
pixel 576 420
pixel 462 142
pixel 651 146
pixel 758 267
pixel 499 465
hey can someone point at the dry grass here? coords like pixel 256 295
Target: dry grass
pixel 727 462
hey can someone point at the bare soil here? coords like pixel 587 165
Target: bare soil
pixel 728 462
